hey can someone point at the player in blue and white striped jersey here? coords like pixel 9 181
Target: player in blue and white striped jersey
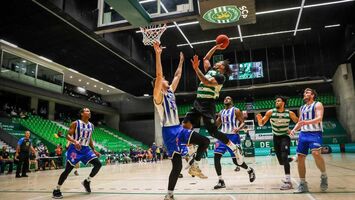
pixel 82 149
pixel 231 120
pixel 310 138
pixel 173 133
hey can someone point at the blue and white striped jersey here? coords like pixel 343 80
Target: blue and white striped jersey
pixel 167 110
pixel 229 121
pixel 307 112
pixel 83 132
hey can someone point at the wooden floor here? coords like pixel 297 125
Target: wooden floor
pixel 149 181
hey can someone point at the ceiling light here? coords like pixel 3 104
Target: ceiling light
pixel 87 83
pixel 146 1
pixel 298 18
pixel 70 76
pixel 101 88
pixel 176 25
pixel 24 61
pixel 111 8
pixel 94 85
pixel 8 43
pixel 146 95
pixel 107 90
pixel 240 34
pixel 331 26
pixel 327 3
pixel 277 10
pixel 246 36
pixel 79 80
pixel 298 7
pixel 260 13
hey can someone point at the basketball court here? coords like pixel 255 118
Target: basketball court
pixel 99 54
pixel 149 180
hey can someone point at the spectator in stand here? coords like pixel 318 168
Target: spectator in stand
pixel 43 154
pixel 5 160
pixel 149 155
pixel 43 112
pixel 158 153
pixel 140 155
pixel 126 158
pixel 59 154
pixel 13 113
pixel 154 152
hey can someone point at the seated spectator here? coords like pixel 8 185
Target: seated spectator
pixel 23 115
pixel 126 158
pixel 42 155
pixel 5 160
pixel 33 160
pixel 13 113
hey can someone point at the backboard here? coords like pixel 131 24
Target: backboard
pixel 160 11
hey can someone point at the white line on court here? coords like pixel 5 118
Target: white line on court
pixel 232 197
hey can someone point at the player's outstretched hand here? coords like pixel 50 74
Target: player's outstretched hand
pixel 219 47
pixel 195 62
pixel 182 57
pixel 157 47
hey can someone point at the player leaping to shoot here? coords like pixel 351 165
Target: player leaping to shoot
pixel 205 104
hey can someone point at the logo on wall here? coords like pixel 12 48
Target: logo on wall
pixel 248 143
pixel 226 14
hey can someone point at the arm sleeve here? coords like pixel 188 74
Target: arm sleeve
pixel 220 79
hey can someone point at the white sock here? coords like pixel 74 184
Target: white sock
pixel 197 163
pixel 303 180
pixel 88 179
pixel 58 187
pixel 220 177
pixel 248 169
pixel 288 178
pixel 170 192
pixel 324 173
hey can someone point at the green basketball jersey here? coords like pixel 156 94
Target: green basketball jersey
pixel 209 92
pixel 280 122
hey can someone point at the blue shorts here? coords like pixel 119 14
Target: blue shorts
pixel 184 150
pixel 85 155
pixel 309 140
pixel 173 137
pixel 221 148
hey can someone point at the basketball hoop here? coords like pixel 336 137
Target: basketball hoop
pixel 152 33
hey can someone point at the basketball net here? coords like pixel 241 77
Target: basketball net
pixel 152 33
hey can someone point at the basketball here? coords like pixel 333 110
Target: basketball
pixel 222 39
